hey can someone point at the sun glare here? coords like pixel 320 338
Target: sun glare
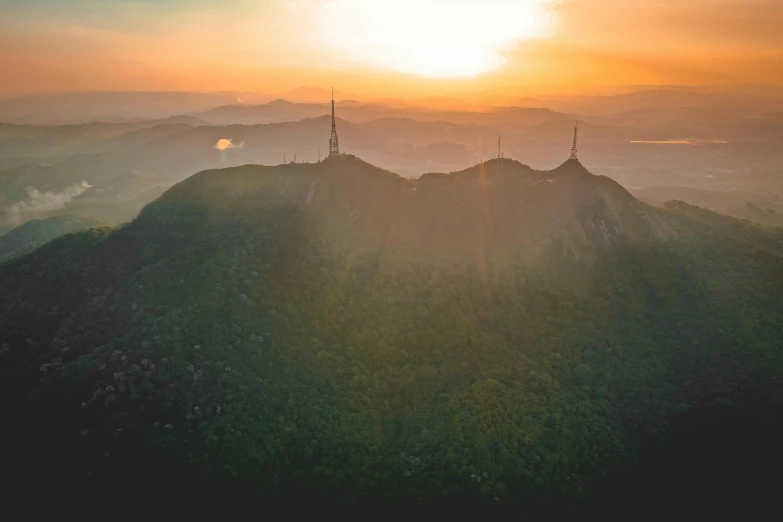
pixel 433 38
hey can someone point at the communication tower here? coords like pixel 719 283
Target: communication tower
pixel 574 152
pixel 334 143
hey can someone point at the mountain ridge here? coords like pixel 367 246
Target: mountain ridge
pixel 479 205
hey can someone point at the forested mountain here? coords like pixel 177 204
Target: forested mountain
pixel 30 235
pixel 496 342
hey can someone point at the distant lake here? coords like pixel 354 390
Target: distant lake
pixel 686 141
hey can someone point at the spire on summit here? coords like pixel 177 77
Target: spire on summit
pixel 574 152
pixel 334 143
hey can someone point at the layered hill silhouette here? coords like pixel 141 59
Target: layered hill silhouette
pixel 27 237
pixel 498 341
pixel 281 111
pixel 130 162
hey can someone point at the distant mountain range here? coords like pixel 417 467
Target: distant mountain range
pixel 627 103
pixel 32 234
pixel 765 209
pixel 672 137
pixel 81 107
pixel 282 110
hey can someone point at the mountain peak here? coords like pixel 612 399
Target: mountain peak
pixel 280 102
pixel 574 166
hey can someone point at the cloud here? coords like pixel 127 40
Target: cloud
pixel 38 202
pixel 225 144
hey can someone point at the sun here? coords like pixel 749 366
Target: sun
pixel 430 38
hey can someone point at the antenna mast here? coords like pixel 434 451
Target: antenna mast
pixel 500 164
pixel 334 144
pixel 574 152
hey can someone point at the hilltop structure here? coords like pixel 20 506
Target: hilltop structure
pixel 334 143
pixel 574 152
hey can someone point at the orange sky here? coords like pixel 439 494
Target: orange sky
pixel 379 48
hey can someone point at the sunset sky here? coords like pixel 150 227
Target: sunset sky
pixel 387 47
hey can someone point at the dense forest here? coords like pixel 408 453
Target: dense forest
pixel 499 342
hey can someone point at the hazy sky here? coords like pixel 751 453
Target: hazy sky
pixel 387 47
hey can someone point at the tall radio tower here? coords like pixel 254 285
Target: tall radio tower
pixel 500 156
pixel 574 152
pixel 334 144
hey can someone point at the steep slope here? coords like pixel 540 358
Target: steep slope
pixel 497 341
